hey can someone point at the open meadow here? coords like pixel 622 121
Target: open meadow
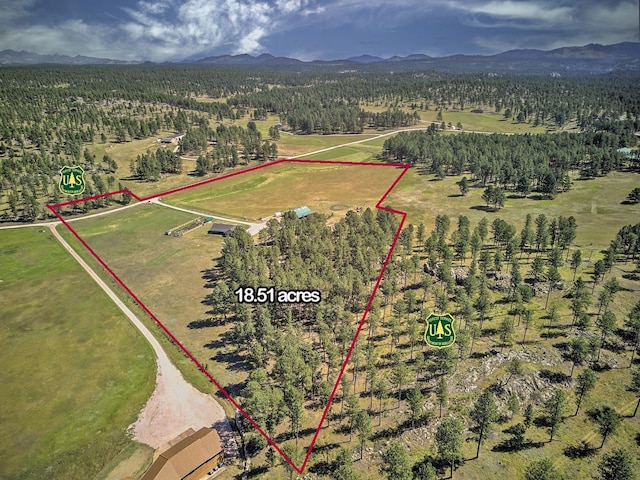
pixel 75 371
pixel 169 275
pixel 325 188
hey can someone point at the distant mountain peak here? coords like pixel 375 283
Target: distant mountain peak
pixel 587 59
pixel 11 57
pixel 365 59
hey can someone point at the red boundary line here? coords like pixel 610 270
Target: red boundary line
pixel 405 167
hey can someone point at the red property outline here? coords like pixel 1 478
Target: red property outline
pixel 405 167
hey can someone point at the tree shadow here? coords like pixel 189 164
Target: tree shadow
pixel 554 377
pixel 284 436
pixel 582 450
pixel 322 467
pixel 479 355
pixel 483 208
pixel 254 472
pixel 548 334
pixel 541 421
pixel 600 367
pixel 220 342
pixel 562 346
pixel 206 322
pixel 386 433
pixel 509 445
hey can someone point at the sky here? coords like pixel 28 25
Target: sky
pixel 173 30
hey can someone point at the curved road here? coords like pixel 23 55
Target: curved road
pixel 175 404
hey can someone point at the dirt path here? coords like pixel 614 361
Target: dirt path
pixel 253 229
pixel 175 405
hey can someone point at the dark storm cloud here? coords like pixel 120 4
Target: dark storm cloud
pixel 174 29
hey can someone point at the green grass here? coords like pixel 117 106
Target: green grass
pixel 166 273
pixel 596 204
pixel 323 188
pixel 75 371
pixel 482 122
pixel 133 244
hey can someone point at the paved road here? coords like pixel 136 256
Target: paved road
pixel 175 405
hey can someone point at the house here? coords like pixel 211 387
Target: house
pixel 173 139
pixel 189 459
pixel 302 212
pixel 222 229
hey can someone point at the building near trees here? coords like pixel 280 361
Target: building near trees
pixel 190 459
pixel 302 212
pixel 222 229
pixel 172 139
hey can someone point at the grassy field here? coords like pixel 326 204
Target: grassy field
pixel 65 404
pixel 328 189
pixel 596 204
pixel 482 122
pixel 148 261
pixel 166 273
pixel 488 121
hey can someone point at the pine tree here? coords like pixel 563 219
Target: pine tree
pixel 449 441
pixel 483 414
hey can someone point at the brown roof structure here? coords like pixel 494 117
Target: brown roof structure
pixel 222 229
pixel 186 456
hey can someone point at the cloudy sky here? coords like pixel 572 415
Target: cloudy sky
pixel 172 30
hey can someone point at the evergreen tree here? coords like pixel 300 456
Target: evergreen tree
pixel 542 470
pixel 617 465
pixel 607 420
pixel 364 428
pixel 554 409
pixel 396 462
pixel 586 382
pixel 449 441
pixel 483 414
pixel 343 466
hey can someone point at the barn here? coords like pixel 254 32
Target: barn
pixel 222 229
pixel 302 212
pixel 190 459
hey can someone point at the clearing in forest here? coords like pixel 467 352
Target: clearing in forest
pixel 179 281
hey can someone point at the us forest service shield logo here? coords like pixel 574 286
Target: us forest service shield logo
pixel 440 332
pixel 71 180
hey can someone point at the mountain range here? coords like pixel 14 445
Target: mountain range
pixel 588 59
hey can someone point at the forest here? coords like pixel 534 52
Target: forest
pixel 51 115
pixel 545 362
pixel 518 163
pixel 294 351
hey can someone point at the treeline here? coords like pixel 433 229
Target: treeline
pixel 227 146
pixel 520 163
pixel 151 165
pixel 498 279
pixel 590 102
pixel 340 262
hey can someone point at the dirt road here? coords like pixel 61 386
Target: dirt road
pixel 175 405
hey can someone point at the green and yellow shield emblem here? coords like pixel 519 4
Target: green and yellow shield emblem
pixel 71 180
pixel 440 332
